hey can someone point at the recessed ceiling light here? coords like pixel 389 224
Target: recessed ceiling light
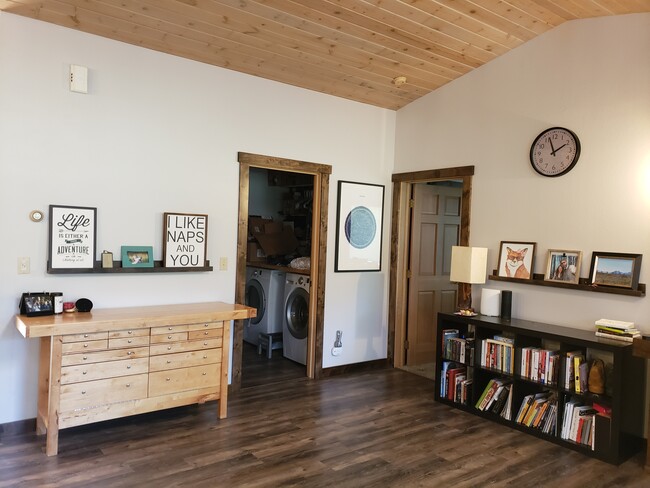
pixel 399 81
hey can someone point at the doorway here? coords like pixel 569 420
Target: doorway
pixel 408 319
pixel 319 173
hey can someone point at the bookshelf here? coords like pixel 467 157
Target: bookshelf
pixel 527 361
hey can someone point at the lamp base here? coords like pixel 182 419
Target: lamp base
pixel 464 296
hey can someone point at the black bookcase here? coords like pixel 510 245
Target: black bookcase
pixel 617 436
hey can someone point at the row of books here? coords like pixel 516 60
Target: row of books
pixel 455 384
pixel 576 372
pixel 617 330
pixel 539 411
pixel 540 365
pixel 498 353
pixel 459 349
pixel 579 423
pixel 496 398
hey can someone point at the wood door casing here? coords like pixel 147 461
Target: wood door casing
pixel 435 227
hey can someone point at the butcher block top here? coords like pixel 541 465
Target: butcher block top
pixel 130 318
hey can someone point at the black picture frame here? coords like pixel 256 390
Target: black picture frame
pixel 359 227
pixel 72 237
pixel 615 269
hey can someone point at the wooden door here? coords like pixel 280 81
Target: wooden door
pixel 435 228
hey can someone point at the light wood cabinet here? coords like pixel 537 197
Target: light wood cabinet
pixel 116 362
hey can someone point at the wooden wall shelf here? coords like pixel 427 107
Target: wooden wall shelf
pixel 583 285
pixel 117 268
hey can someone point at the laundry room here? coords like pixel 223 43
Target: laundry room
pixel 277 276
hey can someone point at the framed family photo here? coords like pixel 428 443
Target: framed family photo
pixel 563 265
pixel 359 224
pixel 137 257
pixel 615 269
pixel 516 259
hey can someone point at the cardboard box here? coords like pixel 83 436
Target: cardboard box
pixel 256 224
pixel 273 238
pixel 254 253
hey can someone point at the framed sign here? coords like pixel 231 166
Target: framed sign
pixel 73 237
pixel 185 240
pixel 359 224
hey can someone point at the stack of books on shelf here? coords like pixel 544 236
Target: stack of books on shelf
pixel 498 353
pixel 496 398
pixel 579 423
pixel 458 348
pixel 539 411
pixel 455 384
pixel 617 330
pixel 541 365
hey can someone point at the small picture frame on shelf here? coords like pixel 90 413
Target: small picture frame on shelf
pixel 137 257
pixel 563 266
pixel 516 259
pixel 619 270
pixel 36 304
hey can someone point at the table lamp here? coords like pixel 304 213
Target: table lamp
pixel 468 266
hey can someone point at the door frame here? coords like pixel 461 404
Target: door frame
pixel 321 174
pixel 400 241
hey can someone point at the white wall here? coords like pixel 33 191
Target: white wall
pixel 592 76
pixel 158 133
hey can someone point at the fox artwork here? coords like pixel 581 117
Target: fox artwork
pixel 515 267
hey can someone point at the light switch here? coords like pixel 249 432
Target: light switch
pixel 23 265
pixel 223 264
pixel 78 79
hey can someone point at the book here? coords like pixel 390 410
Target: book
pixel 578 359
pixel 619 324
pixel 523 409
pixel 569 378
pixel 494 386
pixel 488 387
pixel 616 337
pixel 584 377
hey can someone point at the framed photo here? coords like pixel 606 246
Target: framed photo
pixel 562 265
pixel 137 257
pixel 73 237
pixel 185 240
pixel 35 304
pixel 615 269
pixel 359 224
pixel 516 259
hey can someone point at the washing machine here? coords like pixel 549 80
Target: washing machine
pixel 296 317
pixel 265 292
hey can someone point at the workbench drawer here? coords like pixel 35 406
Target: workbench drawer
pixel 156 349
pixel 72 347
pixel 169 329
pixel 205 325
pixel 169 337
pixel 90 336
pixel 97 371
pixel 204 334
pixel 110 355
pixel 103 392
pixel 184 359
pixel 175 380
pixel 120 334
pixel 119 343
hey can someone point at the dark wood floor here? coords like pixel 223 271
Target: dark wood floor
pixel 377 429
pixel 260 370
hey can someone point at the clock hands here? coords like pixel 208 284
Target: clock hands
pixel 553 150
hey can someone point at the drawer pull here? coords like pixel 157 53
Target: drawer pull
pixel 206 325
pixel 206 333
pixel 130 332
pixel 85 345
pixel 84 372
pixel 85 358
pixel 205 343
pixel 128 367
pixel 169 361
pixel 168 379
pixel 169 337
pixel 204 373
pixel 169 348
pixel 170 328
pixel 128 384
pixel 129 341
pixel 129 353
pixel 205 357
pixel 83 392
pixel 85 335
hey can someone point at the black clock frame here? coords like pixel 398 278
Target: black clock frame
pixel 575 158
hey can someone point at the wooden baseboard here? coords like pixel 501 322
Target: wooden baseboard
pixel 356 368
pixel 19 427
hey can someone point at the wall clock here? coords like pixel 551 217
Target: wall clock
pixel 555 152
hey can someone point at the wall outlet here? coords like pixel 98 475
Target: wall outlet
pixel 23 265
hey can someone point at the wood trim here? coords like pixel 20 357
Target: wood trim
pixel 321 174
pixel 400 234
pixel 374 365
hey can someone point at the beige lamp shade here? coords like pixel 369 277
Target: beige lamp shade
pixel 468 264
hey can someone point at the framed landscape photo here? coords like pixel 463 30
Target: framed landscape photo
pixel 563 265
pixel 619 270
pixel 73 237
pixel 516 259
pixel 359 224
pixel 137 257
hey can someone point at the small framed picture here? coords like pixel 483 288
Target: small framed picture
pixel 615 269
pixel 563 265
pixel 516 259
pixel 35 304
pixel 137 257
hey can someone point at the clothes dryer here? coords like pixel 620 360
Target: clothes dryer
pixel 296 317
pixel 264 292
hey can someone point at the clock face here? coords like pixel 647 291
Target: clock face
pixel 555 152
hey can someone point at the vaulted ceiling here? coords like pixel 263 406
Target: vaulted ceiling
pixel 355 49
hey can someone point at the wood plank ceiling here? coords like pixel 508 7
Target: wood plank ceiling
pixel 355 49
